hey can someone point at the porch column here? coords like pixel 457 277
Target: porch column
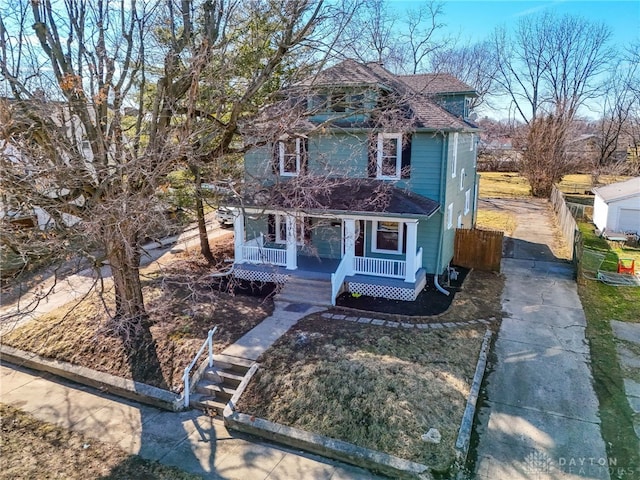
pixel 349 243
pixel 238 236
pixel 292 253
pixel 412 247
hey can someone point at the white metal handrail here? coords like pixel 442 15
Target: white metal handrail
pixel 185 378
pixel 272 256
pixel 380 267
pixel 337 278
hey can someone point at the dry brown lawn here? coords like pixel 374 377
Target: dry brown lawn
pixel 183 305
pixel 31 449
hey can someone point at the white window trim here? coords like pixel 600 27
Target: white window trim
pixel 462 179
pixel 281 151
pixel 374 239
pixel 472 142
pixel 380 150
pixel 450 216
pixel 454 159
pixel 460 224
pixel 281 223
pixel 467 201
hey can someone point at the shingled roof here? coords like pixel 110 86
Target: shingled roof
pixel 436 83
pixel 415 91
pixel 358 195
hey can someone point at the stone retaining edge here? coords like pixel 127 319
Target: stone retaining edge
pixel 327 447
pixel 140 392
pixel 464 434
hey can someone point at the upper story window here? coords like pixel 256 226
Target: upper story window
pixel 291 156
pixel 462 175
pixel 389 156
pixel 467 201
pixel 337 102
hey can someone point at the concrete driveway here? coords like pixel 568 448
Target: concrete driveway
pixel 539 419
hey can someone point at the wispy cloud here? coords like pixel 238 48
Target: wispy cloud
pixel 538 8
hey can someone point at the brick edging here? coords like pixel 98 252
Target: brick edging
pixel 398 324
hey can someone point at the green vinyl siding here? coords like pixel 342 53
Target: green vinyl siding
pixel 426 165
pixel 428 237
pixel 339 155
pixel 326 238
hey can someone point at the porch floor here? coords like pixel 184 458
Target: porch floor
pixel 313 268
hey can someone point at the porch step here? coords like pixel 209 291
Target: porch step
pixel 219 383
pixel 304 290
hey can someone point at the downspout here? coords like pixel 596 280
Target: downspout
pixel 443 178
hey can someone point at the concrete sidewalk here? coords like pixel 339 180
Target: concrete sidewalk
pixel 191 441
pixel 53 293
pixel 540 419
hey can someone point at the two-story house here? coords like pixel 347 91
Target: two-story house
pixel 365 189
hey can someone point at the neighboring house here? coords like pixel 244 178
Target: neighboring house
pixel 616 208
pixel 368 189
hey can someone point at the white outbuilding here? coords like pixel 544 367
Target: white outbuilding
pixel 616 207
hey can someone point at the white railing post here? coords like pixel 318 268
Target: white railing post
pixel 291 243
pixel 208 343
pixel 238 236
pixel 412 245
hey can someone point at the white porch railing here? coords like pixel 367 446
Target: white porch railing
pixel 185 378
pixel 271 256
pixel 379 267
pixel 337 278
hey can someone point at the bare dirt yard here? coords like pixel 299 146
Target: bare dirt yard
pixel 183 302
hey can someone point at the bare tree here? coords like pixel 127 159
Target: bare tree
pixel 474 64
pixel 549 69
pixel 80 136
pixel 618 102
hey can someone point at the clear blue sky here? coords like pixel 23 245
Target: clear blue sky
pixel 475 20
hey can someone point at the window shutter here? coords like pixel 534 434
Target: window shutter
pixel 405 171
pixel 304 154
pixel 275 159
pixel 372 164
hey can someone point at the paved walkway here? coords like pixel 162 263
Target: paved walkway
pixel 540 420
pixel 253 343
pixel 191 441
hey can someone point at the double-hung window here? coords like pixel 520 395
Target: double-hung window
pixel 389 156
pixel 467 201
pixel 454 156
pixel 278 229
pixel 290 156
pixel 388 237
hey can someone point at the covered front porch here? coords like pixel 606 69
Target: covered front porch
pixel 391 261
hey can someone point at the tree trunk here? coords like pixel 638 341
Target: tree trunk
pixel 130 313
pixel 205 249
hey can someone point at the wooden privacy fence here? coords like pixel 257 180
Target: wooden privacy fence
pixel 479 249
